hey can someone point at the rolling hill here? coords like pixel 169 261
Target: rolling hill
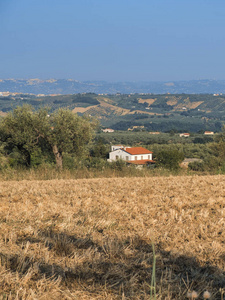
pixel 159 112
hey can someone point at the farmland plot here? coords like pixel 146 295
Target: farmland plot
pixel 92 238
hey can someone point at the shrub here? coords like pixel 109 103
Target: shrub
pixel 95 163
pixel 118 165
pixel 197 166
pixel 170 159
pixel 213 163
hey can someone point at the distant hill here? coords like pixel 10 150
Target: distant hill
pixel 151 112
pixel 70 86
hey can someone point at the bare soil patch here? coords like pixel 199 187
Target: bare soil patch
pixel 149 101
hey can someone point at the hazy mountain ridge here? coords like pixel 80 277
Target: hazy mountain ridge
pixel 71 86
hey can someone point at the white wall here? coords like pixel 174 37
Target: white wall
pixel 121 154
pixel 141 156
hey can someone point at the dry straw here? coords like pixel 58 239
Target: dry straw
pixel 89 238
pixel 192 295
pixel 206 295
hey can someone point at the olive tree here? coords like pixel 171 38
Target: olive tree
pixel 17 131
pixel 61 132
pixel 67 132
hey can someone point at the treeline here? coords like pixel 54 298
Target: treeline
pixel 146 138
pixel 165 123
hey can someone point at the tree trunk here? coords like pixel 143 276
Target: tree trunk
pixel 58 157
pixel 26 155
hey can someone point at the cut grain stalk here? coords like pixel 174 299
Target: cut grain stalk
pixel 153 281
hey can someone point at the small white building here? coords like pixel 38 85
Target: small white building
pixel 185 134
pixel 108 130
pixel 132 155
pixel 209 133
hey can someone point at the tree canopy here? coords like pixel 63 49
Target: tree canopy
pixel 170 159
pixel 61 132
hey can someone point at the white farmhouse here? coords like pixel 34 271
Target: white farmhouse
pixel 132 155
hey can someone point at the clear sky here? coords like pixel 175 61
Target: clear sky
pixel 112 40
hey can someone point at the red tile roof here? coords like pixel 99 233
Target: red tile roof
pixel 140 162
pixel 137 150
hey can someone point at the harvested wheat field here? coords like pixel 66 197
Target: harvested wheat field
pixel 92 238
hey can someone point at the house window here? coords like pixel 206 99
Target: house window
pixel 127 157
pixel 117 157
pixel 135 157
pixel 148 156
pixel 141 157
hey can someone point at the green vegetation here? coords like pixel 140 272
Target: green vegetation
pixel 170 159
pixel 167 112
pixel 35 139
pixel 145 138
pixel 32 134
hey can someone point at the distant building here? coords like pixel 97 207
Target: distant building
pixel 208 132
pixel 108 130
pixel 154 132
pixel 132 155
pixel 185 134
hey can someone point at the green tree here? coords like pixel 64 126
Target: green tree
pixel 169 159
pixel 218 147
pixel 99 149
pixel 17 131
pixel 61 132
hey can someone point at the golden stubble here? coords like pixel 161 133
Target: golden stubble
pixel 91 238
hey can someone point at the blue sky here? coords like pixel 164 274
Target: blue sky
pixel 113 40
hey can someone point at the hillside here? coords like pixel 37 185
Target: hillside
pixel 92 239
pixel 156 112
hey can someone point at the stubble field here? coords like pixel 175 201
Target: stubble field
pixel 92 238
